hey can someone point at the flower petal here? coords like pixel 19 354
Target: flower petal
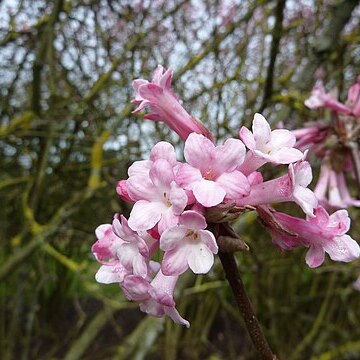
pixel 136 288
pixel 141 188
pixel 192 220
pixel 247 138
pixel 145 215
pixel 150 92
pixel 261 130
pixel 137 83
pixel 306 199
pixel 178 198
pixel 315 256
pixel 342 248
pixel 341 221
pixel 187 176
pixel 175 261
pixel 101 230
pixel 208 238
pixel 303 173
pixel 168 220
pixel 286 155
pixel 161 174
pixel 126 253
pixel 163 150
pixel 321 218
pixel 139 266
pixel 171 238
pixel 235 184
pixel 140 168
pixel 281 138
pixel 110 274
pixel 208 193
pixel 227 157
pixel 197 150
pixel 165 81
pixel 200 259
pixel 176 317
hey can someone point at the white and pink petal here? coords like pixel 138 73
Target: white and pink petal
pixel 145 215
pixel 208 193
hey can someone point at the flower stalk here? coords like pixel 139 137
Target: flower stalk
pixel 244 304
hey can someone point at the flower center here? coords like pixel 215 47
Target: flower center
pixel 167 200
pixel 208 174
pixel 192 235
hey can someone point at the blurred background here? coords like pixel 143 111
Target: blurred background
pixel 67 136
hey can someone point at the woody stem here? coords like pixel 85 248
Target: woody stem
pixel 244 304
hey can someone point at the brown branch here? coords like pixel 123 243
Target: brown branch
pixel 274 51
pixel 242 299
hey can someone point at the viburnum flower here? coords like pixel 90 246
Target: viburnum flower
pixel 331 189
pixel 175 202
pixel 111 273
pixel 159 200
pixel 164 104
pixel 322 233
pixel 313 137
pixel 155 298
pixel 290 187
pixel 320 98
pixel 161 150
pixel 275 146
pixel 105 251
pixel 353 99
pixel 107 244
pixel 134 251
pixel 211 172
pixel 188 245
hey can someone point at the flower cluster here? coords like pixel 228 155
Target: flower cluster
pixel 335 143
pixel 172 201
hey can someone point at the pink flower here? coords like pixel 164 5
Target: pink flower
pixel 133 253
pixel 319 98
pixel 161 150
pixel 122 191
pixel 211 170
pixel 105 251
pixel 155 298
pixel 105 248
pixel 111 273
pixel 159 200
pixel 322 233
pixel 122 251
pixel 353 99
pixel 164 104
pixel 290 187
pixel 331 189
pixel 312 137
pixel 188 245
pixel 275 146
